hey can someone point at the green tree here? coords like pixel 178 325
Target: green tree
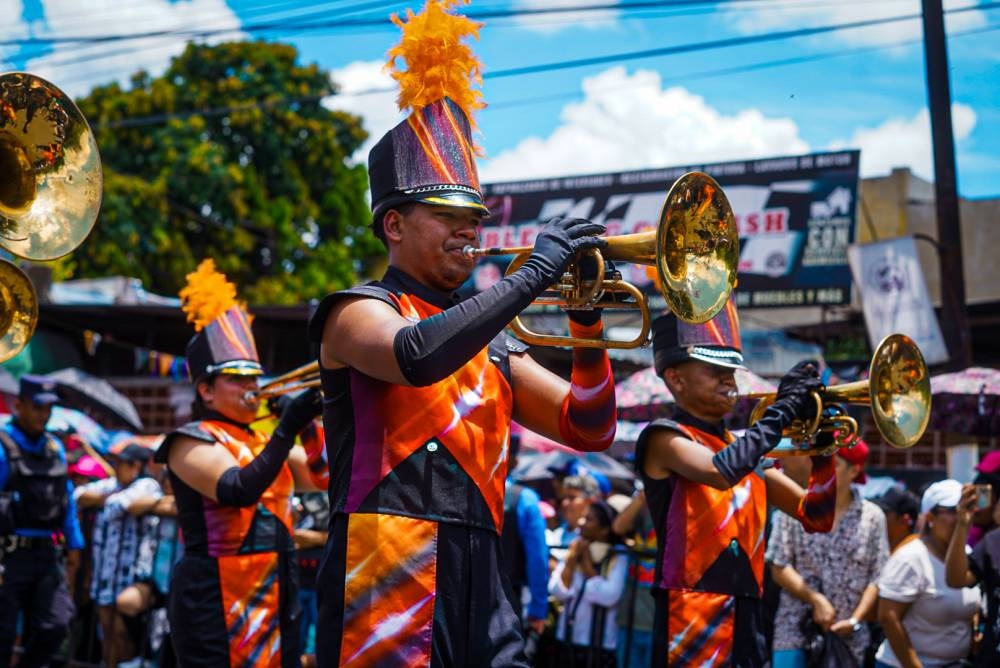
pixel 242 164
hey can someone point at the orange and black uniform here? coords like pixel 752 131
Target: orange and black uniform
pixel 412 574
pixel 233 598
pixel 710 555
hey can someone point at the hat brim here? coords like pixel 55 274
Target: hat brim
pixel 45 399
pixel 732 363
pixel 236 368
pixel 460 199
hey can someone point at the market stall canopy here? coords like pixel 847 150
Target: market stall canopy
pixel 966 402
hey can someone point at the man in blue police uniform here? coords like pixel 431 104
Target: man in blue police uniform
pixel 37 519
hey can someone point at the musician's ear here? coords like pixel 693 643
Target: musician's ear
pixel 392 225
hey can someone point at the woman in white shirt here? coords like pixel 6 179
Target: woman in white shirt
pixel 926 622
pixel 589 582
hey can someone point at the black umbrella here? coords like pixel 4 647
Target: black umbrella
pixel 95 397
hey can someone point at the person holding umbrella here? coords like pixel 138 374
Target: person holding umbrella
pixel 37 521
pixel 233 598
pixel 708 495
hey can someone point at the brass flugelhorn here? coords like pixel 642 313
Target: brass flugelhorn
pixel 898 391
pixel 50 192
pixel 695 249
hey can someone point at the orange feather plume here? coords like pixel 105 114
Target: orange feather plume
pixel 439 63
pixel 207 295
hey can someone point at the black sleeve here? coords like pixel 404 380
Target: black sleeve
pixel 243 486
pixel 741 457
pixel 435 348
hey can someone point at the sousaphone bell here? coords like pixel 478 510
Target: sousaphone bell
pixel 50 191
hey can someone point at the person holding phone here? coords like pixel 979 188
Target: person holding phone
pixel 981 568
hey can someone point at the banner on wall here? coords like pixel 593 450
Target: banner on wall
pixel 795 215
pixel 894 295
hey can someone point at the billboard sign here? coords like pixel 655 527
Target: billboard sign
pixel 795 215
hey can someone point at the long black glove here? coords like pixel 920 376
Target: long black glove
pixel 243 486
pixel 796 388
pixel 435 348
pixel 742 456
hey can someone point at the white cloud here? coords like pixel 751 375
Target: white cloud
pixel 902 142
pixel 77 68
pixel 377 110
pixel 648 127
pixel 551 23
pixel 791 16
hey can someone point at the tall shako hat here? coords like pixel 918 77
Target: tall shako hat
pixel 716 341
pixel 224 342
pixel 430 157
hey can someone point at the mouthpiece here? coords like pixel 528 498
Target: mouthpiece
pixel 469 251
pixel 251 396
pixel 732 394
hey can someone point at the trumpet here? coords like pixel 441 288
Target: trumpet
pixel 695 249
pixel 898 392
pixel 50 192
pixel 302 378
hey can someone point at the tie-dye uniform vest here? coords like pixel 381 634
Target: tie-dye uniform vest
pixel 711 551
pixel 251 547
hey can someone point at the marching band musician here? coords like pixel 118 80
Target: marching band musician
pixel 707 493
pixel 233 598
pixel 422 388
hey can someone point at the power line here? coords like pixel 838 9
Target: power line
pixel 382 21
pixel 156 119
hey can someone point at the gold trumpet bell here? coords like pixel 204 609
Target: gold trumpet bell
pixel 697 248
pixel 18 310
pixel 50 170
pixel 898 392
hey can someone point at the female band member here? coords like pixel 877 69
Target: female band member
pixel 233 599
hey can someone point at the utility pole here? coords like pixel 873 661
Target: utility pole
pixel 954 325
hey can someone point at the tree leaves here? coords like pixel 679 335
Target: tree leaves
pixel 230 155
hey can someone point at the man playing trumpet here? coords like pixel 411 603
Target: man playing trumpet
pixel 708 495
pixel 421 387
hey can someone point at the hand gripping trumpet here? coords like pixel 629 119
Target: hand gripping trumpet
pixel 694 248
pixel 898 391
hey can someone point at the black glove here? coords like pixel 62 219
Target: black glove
pixel 277 405
pixel 298 413
pixel 796 388
pixel 588 272
pixel 560 240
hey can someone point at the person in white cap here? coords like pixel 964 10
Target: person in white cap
pixel 926 622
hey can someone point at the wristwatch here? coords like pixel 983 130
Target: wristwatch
pixel 855 624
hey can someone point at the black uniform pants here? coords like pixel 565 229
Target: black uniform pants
pixel 34 582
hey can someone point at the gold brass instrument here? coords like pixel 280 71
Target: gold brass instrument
pixel 898 390
pixel 695 249
pixel 302 378
pixel 50 191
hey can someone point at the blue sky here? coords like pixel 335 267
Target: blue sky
pixel 861 88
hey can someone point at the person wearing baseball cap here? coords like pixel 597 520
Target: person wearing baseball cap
pixel 922 616
pixel 901 508
pixel 980 569
pixel 119 529
pixel 987 473
pixel 710 570
pixel 38 520
pixel 836 598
